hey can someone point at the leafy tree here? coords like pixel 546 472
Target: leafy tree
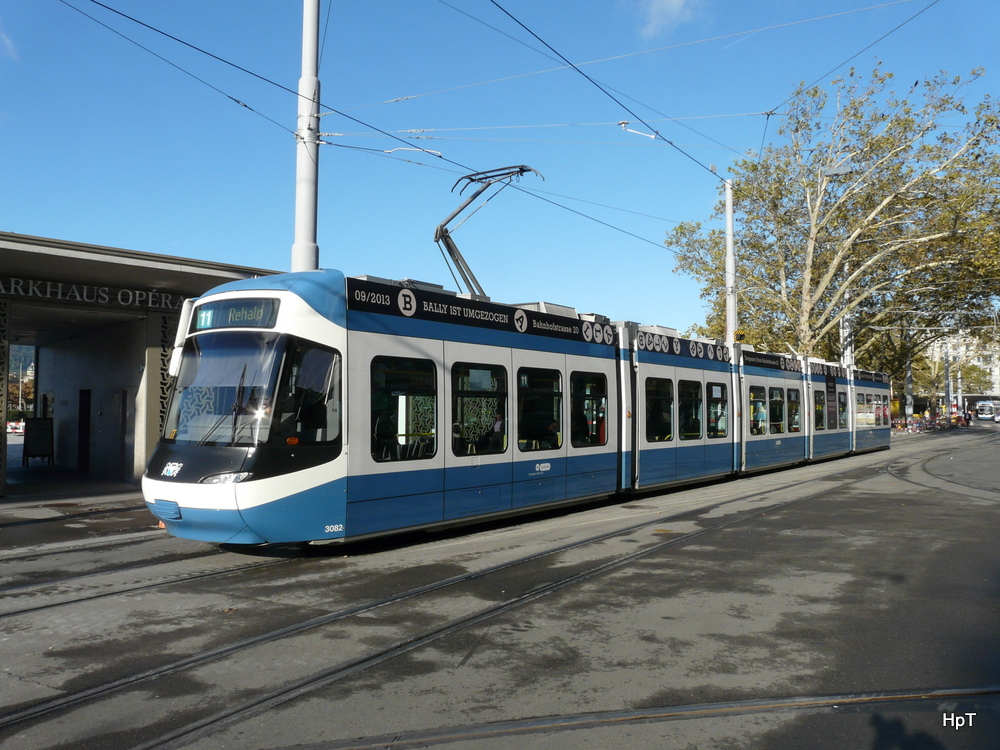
pixel 929 378
pixel 25 396
pixel 20 361
pixel 877 209
pixel 975 379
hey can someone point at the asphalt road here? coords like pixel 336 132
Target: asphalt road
pixel 849 604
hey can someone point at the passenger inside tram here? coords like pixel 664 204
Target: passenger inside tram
pixel 758 422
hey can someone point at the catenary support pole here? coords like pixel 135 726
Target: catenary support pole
pixel 305 251
pixel 947 381
pixel 908 413
pixel 731 321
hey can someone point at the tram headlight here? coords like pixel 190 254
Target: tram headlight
pixel 227 478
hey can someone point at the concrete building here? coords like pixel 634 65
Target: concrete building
pixel 961 349
pixel 102 321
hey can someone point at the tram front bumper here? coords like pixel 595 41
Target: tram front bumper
pixel 201 512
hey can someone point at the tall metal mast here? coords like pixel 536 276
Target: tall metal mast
pixel 305 251
pixel 732 320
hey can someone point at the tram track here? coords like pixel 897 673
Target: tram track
pixel 175 581
pixel 37 582
pixel 930 699
pixel 310 683
pixel 36 551
pixel 59 704
pixel 902 467
pixel 71 516
pixel 250 709
pixel 316 680
pixel 28 587
pixel 306 686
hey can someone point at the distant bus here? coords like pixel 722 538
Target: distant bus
pixel 987 409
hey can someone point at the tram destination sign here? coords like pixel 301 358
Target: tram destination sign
pixel 871 377
pixel 235 313
pixel 771 361
pixel 421 304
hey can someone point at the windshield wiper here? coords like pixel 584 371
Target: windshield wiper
pixel 234 410
pixel 238 404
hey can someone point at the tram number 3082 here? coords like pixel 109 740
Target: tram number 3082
pixel 333 527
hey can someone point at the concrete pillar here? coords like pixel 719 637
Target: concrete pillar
pixel 153 392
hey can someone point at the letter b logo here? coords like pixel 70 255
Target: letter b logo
pixel 407 302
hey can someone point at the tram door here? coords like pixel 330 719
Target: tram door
pixel 691 424
pixel 656 453
pixel 396 458
pixel 540 439
pixel 479 443
pixel 592 452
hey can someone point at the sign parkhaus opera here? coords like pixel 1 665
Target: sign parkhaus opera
pixel 61 291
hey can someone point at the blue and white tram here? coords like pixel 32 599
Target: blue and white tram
pixel 832 432
pixel 774 433
pixel 681 392
pixel 314 407
pixel 873 410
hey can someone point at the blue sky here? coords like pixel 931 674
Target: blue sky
pixel 103 142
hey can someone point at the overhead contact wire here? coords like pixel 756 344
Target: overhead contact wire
pixel 331 109
pixel 601 88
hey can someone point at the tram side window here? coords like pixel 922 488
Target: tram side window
pixel 588 409
pixel 877 409
pixel 404 409
pixel 820 404
pixel 539 409
pixel 776 410
pixel 479 409
pixel 689 407
pixel 842 417
pixel 659 409
pixel 718 410
pixel 758 410
pixel 794 410
pixel 308 405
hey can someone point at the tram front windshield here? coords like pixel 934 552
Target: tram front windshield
pixel 242 388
